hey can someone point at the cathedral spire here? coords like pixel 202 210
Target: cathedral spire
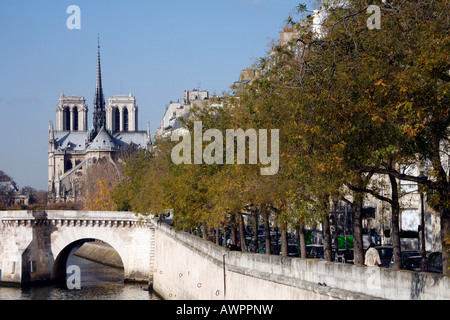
pixel 99 100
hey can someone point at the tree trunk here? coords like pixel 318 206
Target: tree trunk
pixel 445 236
pixel 202 231
pixel 265 215
pixel 233 228
pixel 205 231
pixel 358 250
pixel 242 232
pixel 277 240
pixel 395 233
pixel 326 238
pixel 443 189
pixel 255 234
pixel 284 240
pixel 224 242
pixel 335 226
pixel 217 236
pixel 302 236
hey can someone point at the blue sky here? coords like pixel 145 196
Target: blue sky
pixel 153 49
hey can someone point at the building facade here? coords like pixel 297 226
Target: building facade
pixel 170 122
pixel 73 148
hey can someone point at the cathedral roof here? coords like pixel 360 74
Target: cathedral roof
pixel 137 138
pixel 74 140
pixel 103 141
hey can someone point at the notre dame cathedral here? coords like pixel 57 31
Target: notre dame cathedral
pixel 73 148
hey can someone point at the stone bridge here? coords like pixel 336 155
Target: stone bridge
pixel 35 245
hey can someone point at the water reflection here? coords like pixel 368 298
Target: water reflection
pixel 98 282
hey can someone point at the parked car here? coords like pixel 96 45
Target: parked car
pixel 275 248
pixel 405 255
pixel 345 255
pixel 435 262
pixel 385 255
pixel 316 252
pixel 293 250
pixel 412 263
pixel 308 249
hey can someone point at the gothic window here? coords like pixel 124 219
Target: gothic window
pixel 125 119
pixel 75 119
pixel 116 126
pixel 68 165
pixel 66 119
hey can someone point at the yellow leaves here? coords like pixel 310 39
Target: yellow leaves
pixel 321 167
pixel 100 200
pixel 411 131
pixel 380 82
pixel 376 118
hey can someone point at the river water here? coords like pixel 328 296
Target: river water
pixel 98 282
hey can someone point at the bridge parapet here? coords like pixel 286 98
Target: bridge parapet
pixel 74 218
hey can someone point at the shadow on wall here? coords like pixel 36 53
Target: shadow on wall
pixel 37 258
pixel 58 272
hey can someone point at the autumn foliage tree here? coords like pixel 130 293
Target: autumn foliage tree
pixel 98 184
pixel 351 103
pixel 100 200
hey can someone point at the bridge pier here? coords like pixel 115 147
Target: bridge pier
pixel 34 245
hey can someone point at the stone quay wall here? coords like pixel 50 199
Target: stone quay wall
pixel 100 252
pixel 187 267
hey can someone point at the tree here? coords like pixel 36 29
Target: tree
pixel 143 188
pixel 7 188
pixel 97 185
pixel 351 104
pixel 378 93
pixel 100 200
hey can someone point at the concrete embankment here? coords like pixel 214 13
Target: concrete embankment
pixel 100 252
pixel 189 268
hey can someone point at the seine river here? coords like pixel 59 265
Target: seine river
pixel 98 282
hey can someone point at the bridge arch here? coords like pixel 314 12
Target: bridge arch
pixel 60 264
pixel 64 242
pixel 34 245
